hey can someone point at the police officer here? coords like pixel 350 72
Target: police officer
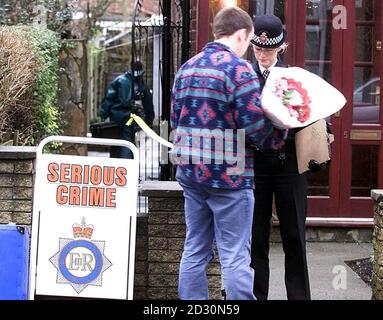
pixel 276 175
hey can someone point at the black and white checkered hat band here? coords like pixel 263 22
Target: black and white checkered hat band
pixel 269 42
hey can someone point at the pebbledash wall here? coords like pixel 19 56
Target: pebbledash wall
pixel 161 233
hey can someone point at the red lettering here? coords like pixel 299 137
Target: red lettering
pixel 110 197
pixel 96 175
pixel 64 173
pixel 74 196
pixel 60 197
pixel 86 175
pixel 53 175
pixel 76 171
pixel 96 197
pixel 121 176
pixel 84 196
pixel 109 175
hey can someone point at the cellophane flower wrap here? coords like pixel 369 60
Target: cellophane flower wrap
pixel 294 97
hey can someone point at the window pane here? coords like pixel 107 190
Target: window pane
pixel 276 7
pixel 318 183
pixel 363 180
pixel 319 9
pixel 364 9
pixel 322 69
pixel 318 40
pixel 363 41
pixel 366 96
pixel 318 50
pixel 318 57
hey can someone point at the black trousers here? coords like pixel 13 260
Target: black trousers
pixel 277 174
pixel 126 133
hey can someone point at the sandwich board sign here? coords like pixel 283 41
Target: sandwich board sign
pixel 84 223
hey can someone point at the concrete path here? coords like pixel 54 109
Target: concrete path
pixel 330 277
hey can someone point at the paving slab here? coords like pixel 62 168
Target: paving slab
pixel 330 277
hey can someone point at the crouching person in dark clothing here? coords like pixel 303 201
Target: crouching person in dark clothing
pixel 128 93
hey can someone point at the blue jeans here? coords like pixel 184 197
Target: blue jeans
pixel 223 215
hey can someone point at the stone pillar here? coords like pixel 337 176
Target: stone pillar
pixel 166 234
pixel 377 274
pixel 16 183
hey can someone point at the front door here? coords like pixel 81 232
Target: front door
pixel 362 120
pixel 343 46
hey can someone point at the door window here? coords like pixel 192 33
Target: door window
pixel 318 53
pixel 364 170
pixel 366 93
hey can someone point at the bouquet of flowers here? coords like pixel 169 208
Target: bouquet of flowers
pixel 294 97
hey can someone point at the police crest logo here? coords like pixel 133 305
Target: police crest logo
pixel 80 262
pixel 263 37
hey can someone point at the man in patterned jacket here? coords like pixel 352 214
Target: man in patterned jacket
pixel 215 111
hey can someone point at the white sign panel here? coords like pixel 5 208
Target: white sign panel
pixel 86 208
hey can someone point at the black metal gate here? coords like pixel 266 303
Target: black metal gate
pixel 162 43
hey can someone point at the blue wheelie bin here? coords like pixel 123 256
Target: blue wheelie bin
pixel 14 262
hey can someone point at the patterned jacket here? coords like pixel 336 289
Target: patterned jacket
pixel 215 110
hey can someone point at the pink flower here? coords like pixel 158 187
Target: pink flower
pixel 294 97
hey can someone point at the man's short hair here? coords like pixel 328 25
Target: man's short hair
pixel 229 20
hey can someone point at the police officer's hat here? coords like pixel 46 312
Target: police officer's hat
pixel 268 32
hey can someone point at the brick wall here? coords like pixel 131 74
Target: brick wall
pixel 166 234
pixel 193 28
pixel 141 263
pixel 120 6
pixel 16 182
pixel 377 274
pixel 151 6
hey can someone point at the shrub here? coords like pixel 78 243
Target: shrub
pixel 29 84
pixel 17 78
pixel 49 117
